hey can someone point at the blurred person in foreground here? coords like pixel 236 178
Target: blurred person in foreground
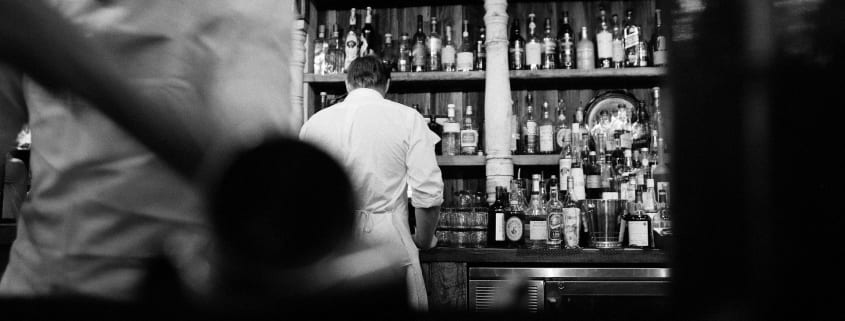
pixel 114 97
pixel 385 147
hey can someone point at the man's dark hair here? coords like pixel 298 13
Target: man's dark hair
pixel 367 72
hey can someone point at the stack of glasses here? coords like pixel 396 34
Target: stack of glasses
pixel 463 223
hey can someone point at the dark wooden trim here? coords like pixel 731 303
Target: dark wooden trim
pixel 515 75
pixel 512 256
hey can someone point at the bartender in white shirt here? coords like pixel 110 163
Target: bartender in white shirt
pixel 386 148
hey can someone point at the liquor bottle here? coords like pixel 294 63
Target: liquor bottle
pixel 515 218
pixel 388 52
pixel 547 131
pixel 563 135
pixel 618 44
pixel 649 197
pixel 660 173
pixel 420 48
pixel 465 59
pixel 324 101
pixel 469 134
pixel 434 46
pixel 352 42
pixel 549 47
pixel 406 56
pixel 638 226
pixel 436 128
pixel 516 135
pixel 449 51
pixel 644 170
pixel 451 134
pixel 516 48
pixel 579 178
pixel 496 220
pixel 566 42
pixel 321 47
pixel 536 217
pixel 640 129
pixel 336 55
pixel 609 180
pixel 481 50
pixel 369 38
pixel 626 172
pixel 585 52
pixel 593 172
pixel 657 117
pixel 643 51
pixel 571 216
pixel 533 47
pixel 658 42
pixel 554 225
pixel 632 35
pixel 529 128
pixel 604 45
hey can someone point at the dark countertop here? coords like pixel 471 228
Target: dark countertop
pixel 588 256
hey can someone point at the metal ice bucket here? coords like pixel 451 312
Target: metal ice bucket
pixel 603 219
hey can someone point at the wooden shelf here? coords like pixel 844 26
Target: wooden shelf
pixel 515 75
pixel 517 256
pixel 536 160
pixel 464 160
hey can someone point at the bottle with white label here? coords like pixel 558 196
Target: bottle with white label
pixel 632 37
pixel 449 51
pixel 617 44
pixel 658 42
pixel 571 217
pixel 469 134
pixel 434 47
pixel 584 52
pixel 465 57
pixel 496 219
pixel 352 42
pixel 530 131
pixel 554 225
pixel 593 172
pixel 450 142
pixel 536 217
pixel 562 132
pixel 566 43
pixel 549 47
pixel 533 47
pixel 637 230
pixel 547 131
pixel 604 46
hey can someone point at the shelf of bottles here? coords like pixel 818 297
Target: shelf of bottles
pixel 515 75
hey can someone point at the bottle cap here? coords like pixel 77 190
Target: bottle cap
pixel 592 153
pixel 450 106
pixel 469 110
pixel 627 153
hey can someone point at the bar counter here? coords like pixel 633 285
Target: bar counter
pixel 553 257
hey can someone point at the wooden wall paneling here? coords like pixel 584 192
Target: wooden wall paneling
pixel 571 97
pixel 449 286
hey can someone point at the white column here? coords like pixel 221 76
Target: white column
pixel 297 70
pixel 497 97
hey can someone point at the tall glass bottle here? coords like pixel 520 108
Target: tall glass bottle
pixel 436 128
pixel 516 135
pixel 515 218
pixel 496 220
pixel 529 128
pixel 406 56
pixel 465 57
pixel 566 42
pixel 657 117
pixel 618 44
pixel 585 52
pixel 563 135
pixel 604 45
pixel 658 41
pixel 660 173
pixel 516 48
pixel 536 217
pixel 632 35
pixel 449 51
pixel 638 225
pixel 336 56
pixel 481 50
pixel 369 37
pixel 593 172
pixel 388 52
pixel 626 172
pixel 469 134
pixel 451 134
pixel 554 225
pixel 434 46
pixel 547 131
pixel 549 47
pixel 352 42
pixel 420 48
pixel 321 47
pixel 571 216
pixel 533 47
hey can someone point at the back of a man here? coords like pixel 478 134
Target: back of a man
pixel 102 205
pixel 385 147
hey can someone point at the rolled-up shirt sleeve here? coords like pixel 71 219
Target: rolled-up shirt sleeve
pixel 424 177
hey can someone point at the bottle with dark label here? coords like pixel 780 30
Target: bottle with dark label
pixel 496 219
pixel 658 42
pixel 515 218
pixel 406 56
pixel 638 230
pixel 369 38
pixel 420 48
pixel 480 50
pixel 388 52
pixel 516 48
pixel 434 46
pixel 632 35
pixel 549 46
pixel 351 42
pixel 435 127
pixel 566 42
pixel 533 47
pixel 592 170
